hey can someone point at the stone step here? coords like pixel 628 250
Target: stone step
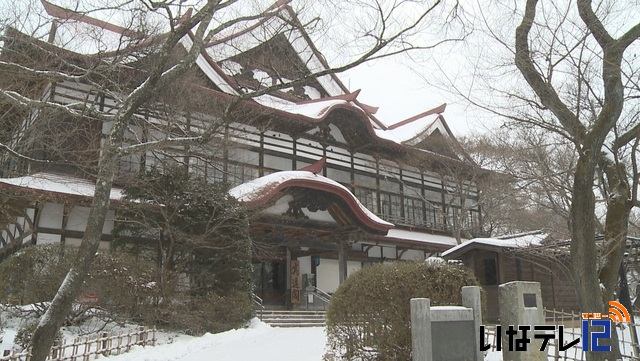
pixel 297 314
pixel 300 324
pixel 294 318
pixel 302 312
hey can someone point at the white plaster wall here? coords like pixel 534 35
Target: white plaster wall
pixel 389 252
pixel 305 264
pixel 327 273
pixel 23 223
pixel 108 222
pixel 30 213
pixel 374 252
pixel 282 205
pixel 75 242
pixel 412 254
pixel 51 216
pixel 46 238
pixel 78 217
pixel 335 132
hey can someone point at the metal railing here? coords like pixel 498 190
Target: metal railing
pixel 258 305
pixel 316 294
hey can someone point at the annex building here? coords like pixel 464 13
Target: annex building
pixel 334 187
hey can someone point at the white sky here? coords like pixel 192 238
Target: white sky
pixel 401 93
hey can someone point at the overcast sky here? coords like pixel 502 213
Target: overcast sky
pixel 401 93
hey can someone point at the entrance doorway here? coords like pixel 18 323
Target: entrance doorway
pixel 269 281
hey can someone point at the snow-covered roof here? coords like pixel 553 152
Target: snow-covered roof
pixel 407 134
pixel 516 241
pixel 315 110
pixel 55 183
pixel 427 238
pixel 263 189
pixel 250 34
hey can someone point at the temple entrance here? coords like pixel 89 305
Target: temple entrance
pixel 269 281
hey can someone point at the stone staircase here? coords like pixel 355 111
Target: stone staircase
pixel 281 318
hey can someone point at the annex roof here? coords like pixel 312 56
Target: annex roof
pixel 49 183
pixel 409 237
pixel 522 240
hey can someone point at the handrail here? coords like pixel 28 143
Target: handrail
pixel 318 293
pixel 257 301
pixel 322 294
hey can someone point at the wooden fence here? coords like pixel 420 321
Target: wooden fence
pixel 102 344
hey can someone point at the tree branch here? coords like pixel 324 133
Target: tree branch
pixel 543 90
pixel 594 24
pixel 19 155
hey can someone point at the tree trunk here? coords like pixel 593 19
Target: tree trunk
pixel 616 226
pixel 60 307
pixel 583 246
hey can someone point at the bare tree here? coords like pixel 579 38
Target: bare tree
pixel 125 85
pixel 534 190
pixel 580 71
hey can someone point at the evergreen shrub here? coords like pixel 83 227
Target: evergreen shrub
pixel 369 316
pixel 129 290
pixel 125 286
pixel 212 312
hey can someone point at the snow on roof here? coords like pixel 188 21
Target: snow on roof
pixel 318 109
pixel 516 241
pixel 421 237
pixel 418 129
pixel 250 34
pixel 63 184
pixel 256 188
pixel 315 110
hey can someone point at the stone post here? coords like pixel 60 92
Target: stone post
pixel 521 305
pixel 421 329
pixel 471 299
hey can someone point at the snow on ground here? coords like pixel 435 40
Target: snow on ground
pixel 256 342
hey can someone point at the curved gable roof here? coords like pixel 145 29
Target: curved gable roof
pixel 262 190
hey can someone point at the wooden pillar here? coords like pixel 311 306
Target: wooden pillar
pixel 342 261
pixel 287 262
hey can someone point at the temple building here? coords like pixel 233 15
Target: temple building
pixel 334 188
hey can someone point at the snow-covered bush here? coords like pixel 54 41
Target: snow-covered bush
pixel 369 315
